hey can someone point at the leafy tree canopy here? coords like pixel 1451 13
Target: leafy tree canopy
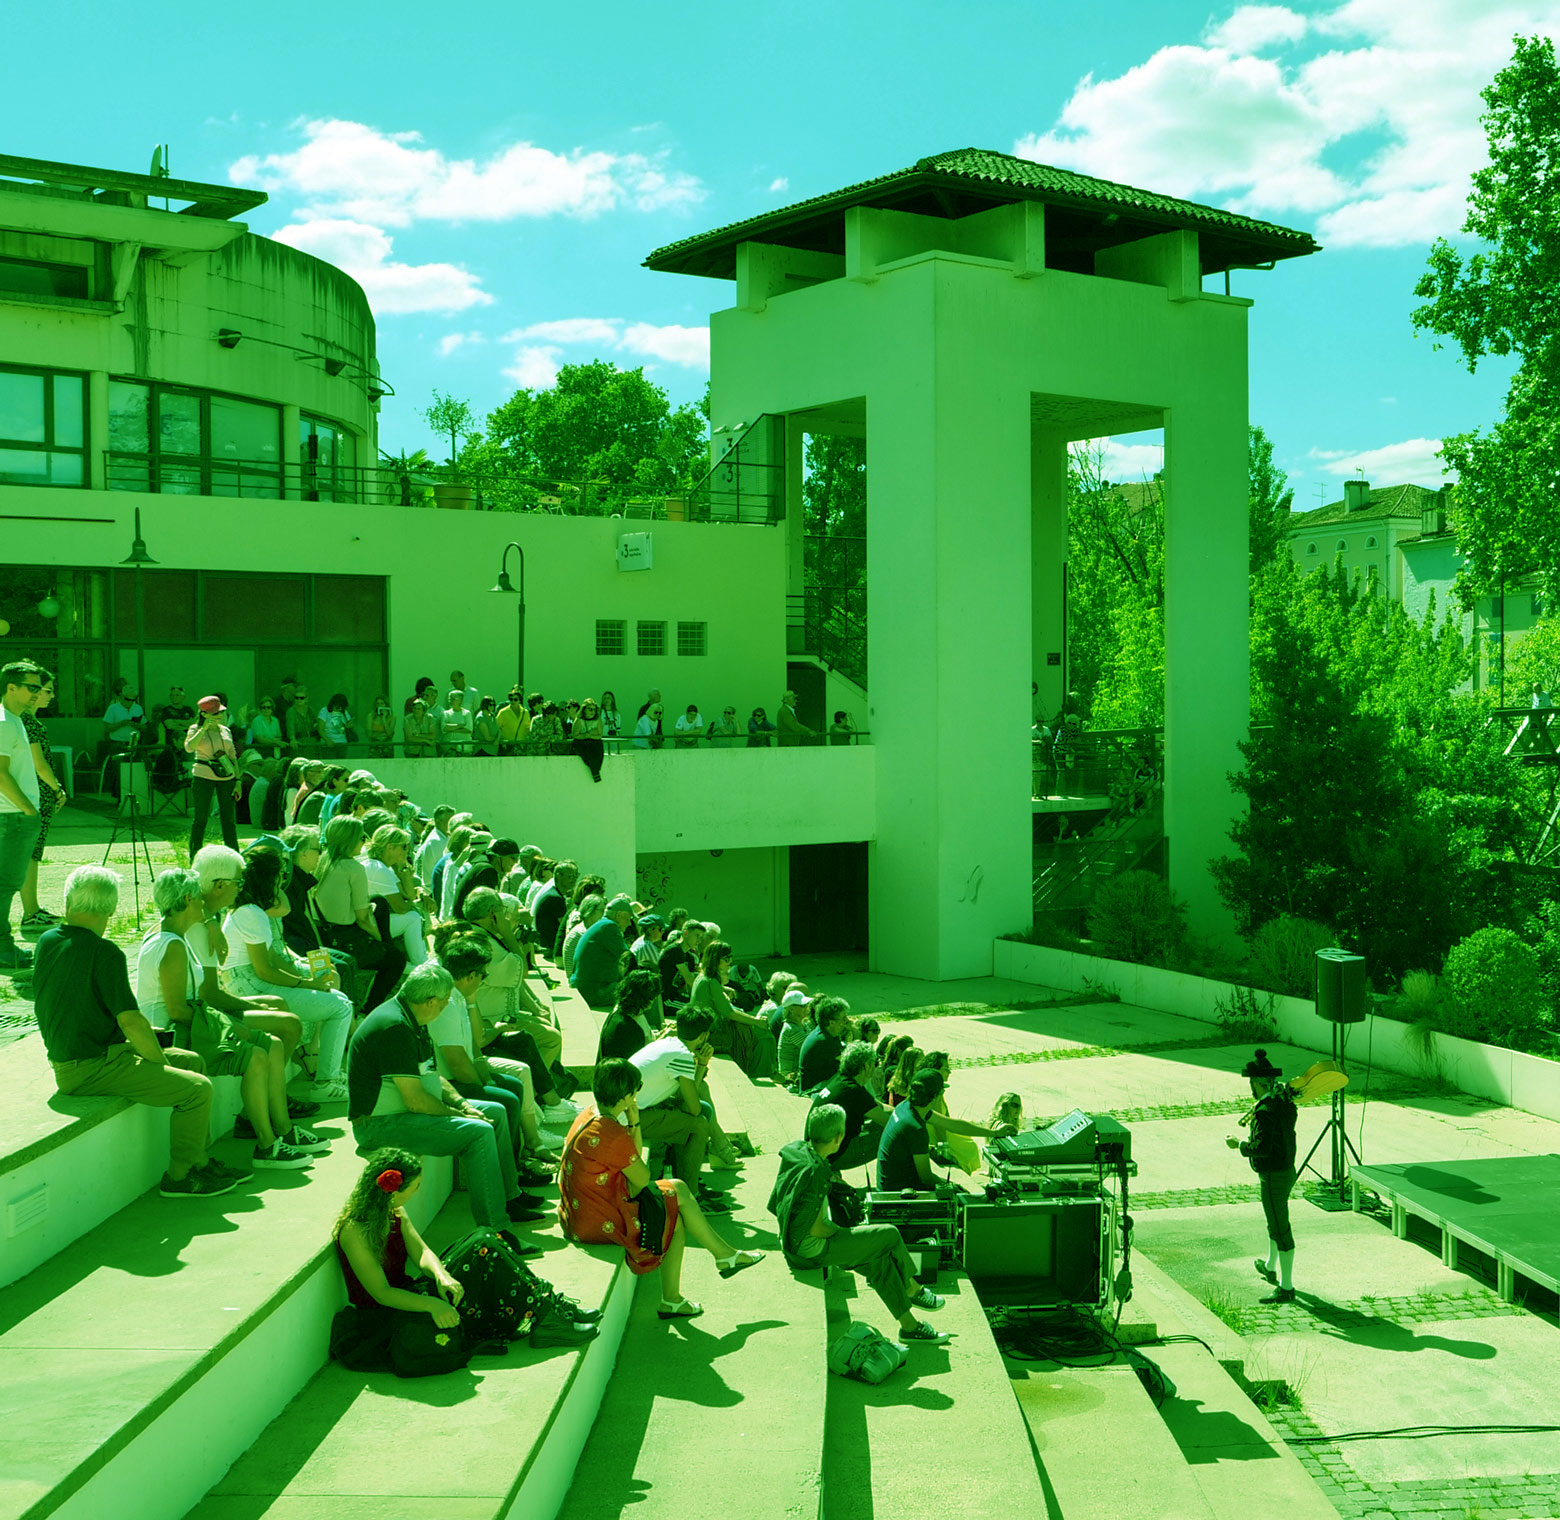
pixel 1504 300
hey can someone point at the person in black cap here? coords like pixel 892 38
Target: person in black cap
pixel 1271 1152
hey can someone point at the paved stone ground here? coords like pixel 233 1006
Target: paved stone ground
pixel 1382 1336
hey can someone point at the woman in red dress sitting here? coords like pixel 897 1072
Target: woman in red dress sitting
pixel 608 1198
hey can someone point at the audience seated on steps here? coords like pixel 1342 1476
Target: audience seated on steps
pixel 300 929
pixel 646 950
pixel 607 1196
pixel 774 989
pixel 396 1097
pixel 388 869
pixel 259 963
pixel 100 1044
pixel 506 997
pixel 486 867
pixel 956 1135
pixel 820 1053
pixel 169 976
pixel 811 1238
pixel 636 1019
pixel 744 1036
pixel 474 846
pixel 460 834
pixel 796 1023
pixel 430 850
pixel 851 1091
pixel 586 886
pixel 463 1064
pixel 346 919
pixel 552 907
pixel 679 962
pixel 590 911
pixel 598 958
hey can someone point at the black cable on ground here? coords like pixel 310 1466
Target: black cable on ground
pixel 1421 1433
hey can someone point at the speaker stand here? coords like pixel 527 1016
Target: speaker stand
pixel 1333 1194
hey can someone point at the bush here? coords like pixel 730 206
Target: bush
pixel 1135 917
pixel 1283 954
pixel 1420 998
pixel 1496 989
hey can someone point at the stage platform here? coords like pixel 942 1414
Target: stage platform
pixel 1503 1207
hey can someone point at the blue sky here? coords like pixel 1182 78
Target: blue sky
pixel 494 174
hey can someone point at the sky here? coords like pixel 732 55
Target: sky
pixel 494 174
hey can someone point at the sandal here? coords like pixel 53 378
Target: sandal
pixel 684 1308
pixel 739 1263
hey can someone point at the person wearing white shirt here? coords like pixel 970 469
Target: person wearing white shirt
pixel 455 723
pixel 470 693
pixel 691 727
pixel 391 877
pixel 647 734
pixel 434 844
pixel 122 719
pixel 20 683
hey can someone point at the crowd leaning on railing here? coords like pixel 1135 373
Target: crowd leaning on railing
pixel 365 952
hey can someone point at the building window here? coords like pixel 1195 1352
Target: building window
pixel 691 638
pixel 42 427
pixel 1343 544
pixel 652 638
pixel 327 460
pixel 35 277
pixel 1310 548
pixel 192 443
pixel 1370 543
pixel 612 636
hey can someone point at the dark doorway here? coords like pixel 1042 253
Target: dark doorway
pixel 828 897
pixel 809 683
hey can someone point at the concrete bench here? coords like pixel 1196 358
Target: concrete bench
pixel 67 1164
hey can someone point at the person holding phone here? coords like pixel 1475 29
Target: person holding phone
pixel 216 770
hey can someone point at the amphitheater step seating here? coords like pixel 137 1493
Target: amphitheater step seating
pixel 140 1360
pixel 67 1164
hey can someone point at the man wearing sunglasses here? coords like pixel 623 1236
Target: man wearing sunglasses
pixel 20 683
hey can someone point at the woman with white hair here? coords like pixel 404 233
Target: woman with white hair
pixel 342 900
pixel 388 868
pixel 259 962
pixel 168 980
pixel 591 909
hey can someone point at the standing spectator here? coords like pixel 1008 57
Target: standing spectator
pixel 792 730
pixel 598 960
pixel 611 720
pixel 455 724
pixel 99 1042
pixel 514 723
pixel 484 728
pixel 51 797
pixel 21 681
pixel 691 727
pixel 265 730
pixel 420 732
pixel 298 722
pixel 216 772
pixel 647 731
pixel 381 729
pixel 286 690
pixel 425 692
pixel 653 700
pixel 396 1097
pixel 588 738
pixel 841 730
pixel 469 693
pixel 334 721
pixel 122 720
pixel 759 730
pixel 547 736
pixel 820 1057
pixel 726 732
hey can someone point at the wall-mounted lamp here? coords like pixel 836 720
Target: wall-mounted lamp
pixel 49 607
pixel 334 367
pixel 228 337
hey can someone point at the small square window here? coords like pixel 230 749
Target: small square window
pixel 611 636
pixel 652 638
pixel 691 638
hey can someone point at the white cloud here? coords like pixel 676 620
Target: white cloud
pixel 392 288
pixel 1123 462
pixel 777 185
pixel 451 341
pixel 686 346
pixel 1250 28
pixel 1413 462
pixel 535 366
pixel 352 170
pixel 1397 93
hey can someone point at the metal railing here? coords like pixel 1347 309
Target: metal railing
pixel 1111 762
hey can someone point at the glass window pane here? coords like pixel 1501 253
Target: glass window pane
pixel 129 474
pixel 21 407
pixel 34 277
pixel 178 480
pixel 69 408
pixel 251 609
pixel 178 423
pixel 246 430
pixel 127 417
pixel 349 609
pixel 24 467
pixel 170 604
pixel 346 449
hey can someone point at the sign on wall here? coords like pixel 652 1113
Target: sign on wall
pixel 634 551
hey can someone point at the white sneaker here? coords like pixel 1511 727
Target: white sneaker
pixel 331 1091
pixel 562 1114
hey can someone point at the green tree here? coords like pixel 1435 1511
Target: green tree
pixel 1501 300
pixel 834 510
pixel 1270 498
pixel 450 415
pixel 596 437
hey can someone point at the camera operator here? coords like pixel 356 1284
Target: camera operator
pixel 216 771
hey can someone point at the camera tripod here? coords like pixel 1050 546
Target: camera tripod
pixel 127 820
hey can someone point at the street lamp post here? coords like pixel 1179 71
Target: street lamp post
pixel 138 557
pixel 506 586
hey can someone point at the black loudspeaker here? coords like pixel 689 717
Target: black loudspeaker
pixel 1340 987
pixel 1038 1250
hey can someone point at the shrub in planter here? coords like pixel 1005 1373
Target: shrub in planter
pixel 1496 989
pixel 1135 917
pixel 1283 954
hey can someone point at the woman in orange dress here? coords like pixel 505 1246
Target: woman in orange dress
pixel 607 1197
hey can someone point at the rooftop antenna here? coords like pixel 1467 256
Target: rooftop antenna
pixel 159 169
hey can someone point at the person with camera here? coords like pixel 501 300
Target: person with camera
pixel 210 741
pixel 484 728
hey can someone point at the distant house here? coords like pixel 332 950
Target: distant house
pixel 1398 539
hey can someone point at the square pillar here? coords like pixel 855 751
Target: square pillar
pixel 948 513
pixel 1207 636
pixel 1048 561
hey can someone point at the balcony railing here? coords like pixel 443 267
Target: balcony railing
pixel 737 490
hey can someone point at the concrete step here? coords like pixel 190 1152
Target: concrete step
pixel 721 1415
pixel 501 1438
pixel 136 1366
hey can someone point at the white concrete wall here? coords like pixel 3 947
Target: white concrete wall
pixel 741 890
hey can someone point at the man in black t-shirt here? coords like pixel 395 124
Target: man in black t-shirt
pixel 865 1117
pixel 174 718
pixel 551 909
pixel 820 1058
pixel 395 1096
pixel 904 1154
pixel 100 1044
pixel 679 965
